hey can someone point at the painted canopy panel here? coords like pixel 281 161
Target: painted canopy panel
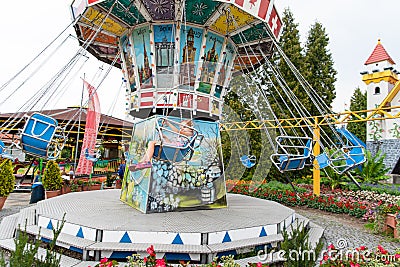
pixel 256 32
pixel 124 10
pixel 101 37
pixel 160 9
pixel 199 11
pixel 94 17
pixel 231 20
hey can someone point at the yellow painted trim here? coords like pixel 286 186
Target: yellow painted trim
pixel 395 90
pixel 387 76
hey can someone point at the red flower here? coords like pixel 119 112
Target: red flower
pixel 151 252
pixel 103 260
pixel 160 263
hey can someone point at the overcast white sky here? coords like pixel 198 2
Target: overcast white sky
pixel 353 26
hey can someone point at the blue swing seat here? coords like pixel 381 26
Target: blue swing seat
pixel 351 155
pixel 248 161
pixel 38 134
pixel 323 161
pixel 92 157
pixel 286 159
pixel 175 153
pixel 3 152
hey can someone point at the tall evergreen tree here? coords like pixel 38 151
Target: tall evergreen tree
pixel 318 69
pixel 291 46
pixel 358 102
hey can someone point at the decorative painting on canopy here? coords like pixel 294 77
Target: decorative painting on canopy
pixel 101 37
pixel 225 70
pixel 199 11
pixel 190 46
pixel 93 16
pixel 129 62
pixel 212 54
pixel 141 42
pixel 164 41
pixel 231 20
pixel 256 32
pixel 125 11
pixel 160 9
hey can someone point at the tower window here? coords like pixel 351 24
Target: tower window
pixel 377 91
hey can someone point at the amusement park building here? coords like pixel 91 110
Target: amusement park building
pixel 383 88
pixel 111 130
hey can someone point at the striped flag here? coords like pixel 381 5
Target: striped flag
pixel 275 22
pixel 258 8
pixel 91 128
pixel 94 2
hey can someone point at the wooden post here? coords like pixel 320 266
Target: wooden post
pixel 316 152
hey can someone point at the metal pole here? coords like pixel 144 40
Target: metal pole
pixel 316 152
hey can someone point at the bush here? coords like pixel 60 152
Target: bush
pixel 52 176
pixel 7 179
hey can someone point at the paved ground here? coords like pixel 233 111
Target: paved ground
pixel 337 227
pixel 14 203
pixel 347 230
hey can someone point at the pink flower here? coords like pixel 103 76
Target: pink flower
pixel 145 259
pixel 103 260
pixel 110 264
pixel 259 264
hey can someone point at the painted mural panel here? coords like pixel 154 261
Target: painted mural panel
pixel 141 42
pixel 190 46
pixel 164 39
pixel 224 72
pixel 128 58
pixel 174 179
pixel 212 54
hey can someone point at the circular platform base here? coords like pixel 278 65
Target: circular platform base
pixel 118 230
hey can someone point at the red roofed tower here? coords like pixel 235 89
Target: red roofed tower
pixel 383 89
pixel 379 55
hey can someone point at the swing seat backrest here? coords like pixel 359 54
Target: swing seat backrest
pixel 248 161
pixel 323 161
pixel 2 147
pixel 291 162
pixel 37 134
pixel 93 158
pixel 174 153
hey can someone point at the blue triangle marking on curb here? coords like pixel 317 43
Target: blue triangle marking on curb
pixel 125 238
pixel 263 232
pixel 80 233
pixel 177 240
pixel 227 238
pixel 50 225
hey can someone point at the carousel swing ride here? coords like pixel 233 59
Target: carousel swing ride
pixel 179 60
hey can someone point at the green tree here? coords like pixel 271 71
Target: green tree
pixel 52 176
pixel 318 67
pixel 7 179
pixel 358 102
pixel 290 44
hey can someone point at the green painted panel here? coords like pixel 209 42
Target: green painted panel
pixel 120 10
pixel 256 32
pixel 198 11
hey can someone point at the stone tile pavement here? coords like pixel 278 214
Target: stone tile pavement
pixel 347 231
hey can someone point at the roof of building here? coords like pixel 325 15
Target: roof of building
pixel 379 54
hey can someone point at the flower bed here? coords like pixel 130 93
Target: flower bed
pixel 288 197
